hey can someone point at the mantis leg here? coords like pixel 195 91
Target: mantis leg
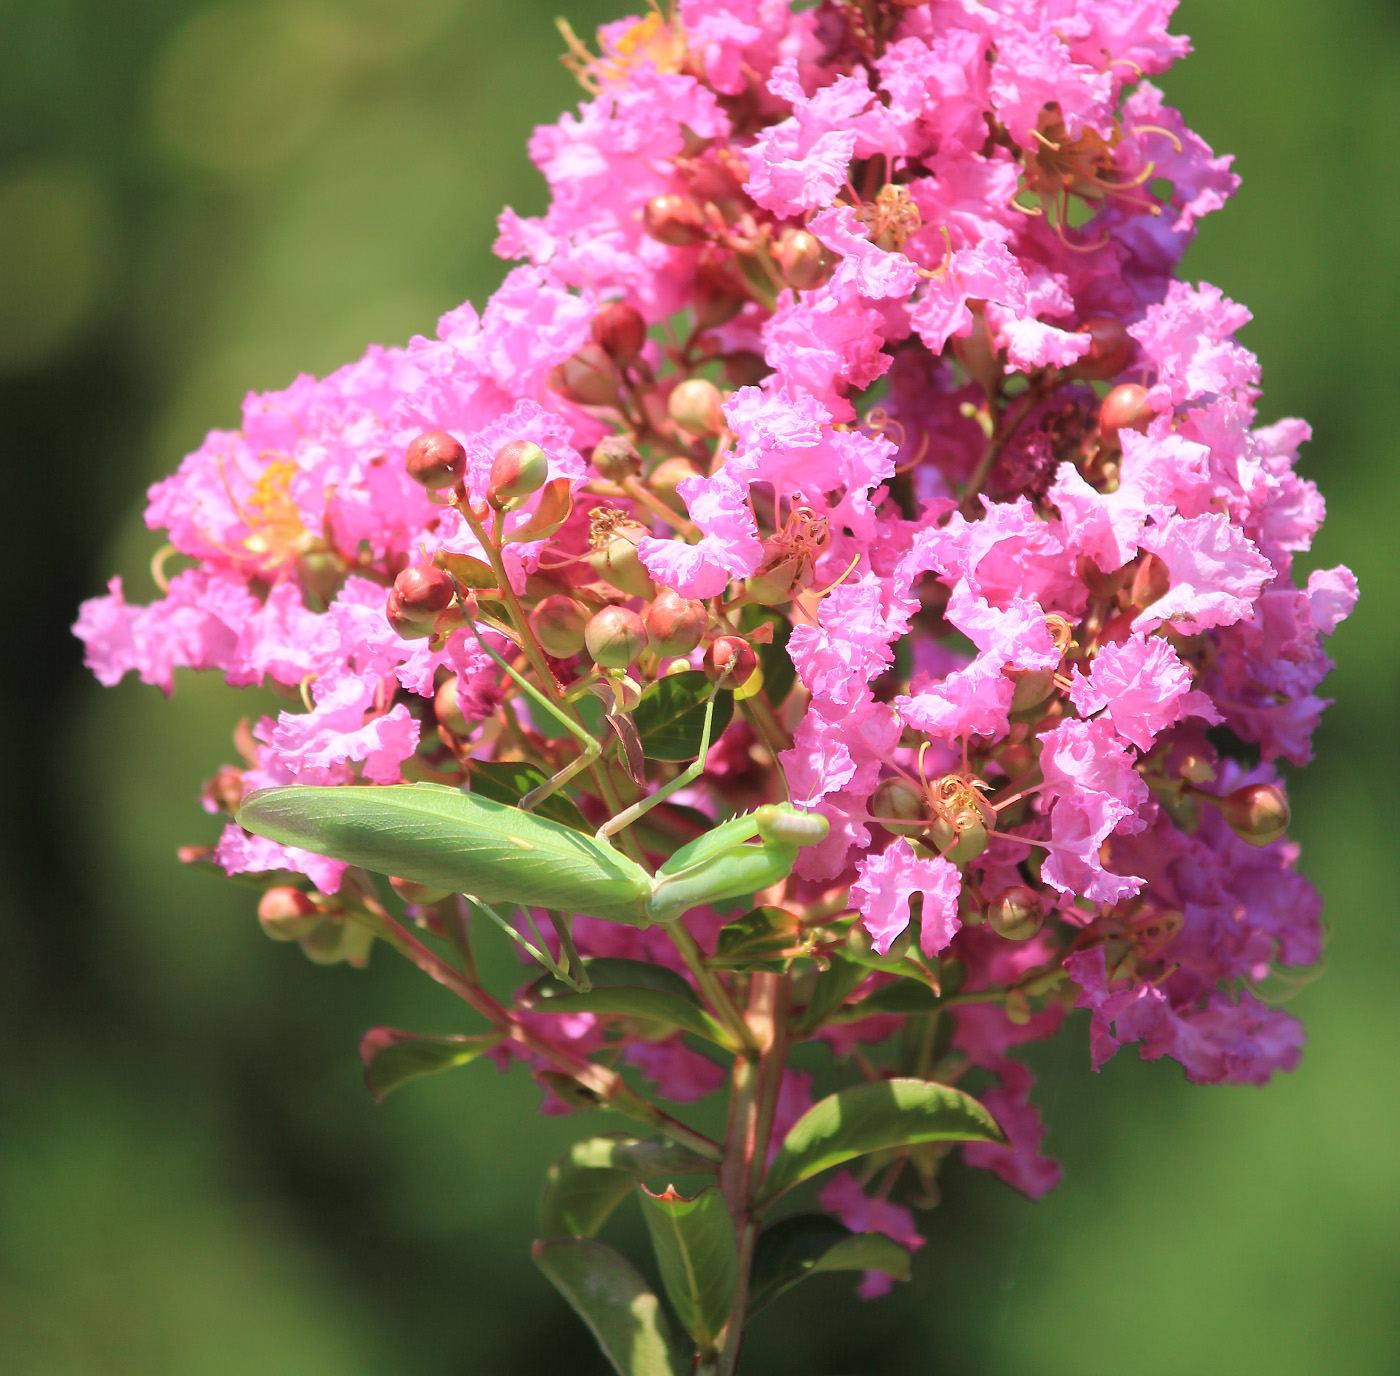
pixel 589 747
pixel 627 816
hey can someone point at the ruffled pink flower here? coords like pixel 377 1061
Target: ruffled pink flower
pixel 883 890
pixel 1145 687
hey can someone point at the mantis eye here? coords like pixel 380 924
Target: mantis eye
pixel 784 824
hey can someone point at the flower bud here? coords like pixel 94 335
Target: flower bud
pixel 619 566
pixel 745 368
pixel 697 408
pixel 1016 913
pixel 804 259
pixel 589 377
pixel 1124 408
pixel 674 220
pixel 1151 580
pixel 615 637
pixel 402 624
pixel 287 914
pixel 412 892
pixel 959 836
pixel 1257 813
pixel 978 356
pixel 621 331
pixel 675 625
pixel 446 709
pixel 731 660
pixel 558 624
pixel 900 807
pixel 666 477
pixel 715 302
pixel 436 460
pixel 1111 349
pixel 1033 686
pixel 1196 769
pixel 519 469
pixel 424 591
pixel 615 457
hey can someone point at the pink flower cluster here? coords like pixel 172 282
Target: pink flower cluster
pixel 970 439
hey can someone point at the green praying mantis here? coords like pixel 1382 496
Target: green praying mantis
pixel 459 842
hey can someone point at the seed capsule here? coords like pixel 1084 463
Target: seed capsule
pixel 615 637
pixel 519 469
pixel 674 220
pixel 287 914
pixel 900 807
pixel 558 624
pixel 589 377
pixel 436 460
pixel 1111 349
pixel 697 407
pixel 804 259
pixel 675 625
pixel 1257 813
pixel 730 659
pixel 615 457
pixel 620 330
pixel 1124 408
pixel 1016 913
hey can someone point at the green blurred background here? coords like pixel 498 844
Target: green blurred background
pixel 197 199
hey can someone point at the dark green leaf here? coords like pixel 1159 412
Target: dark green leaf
pixel 671 716
pixel 391 1057
pixel 608 1293
pixel 695 1251
pixel 651 1004
pixel 760 940
pixel 585 1185
pixel 800 1246
pixel 778 672
pixel 508 781
pixel 910 995
pixel 833 987
pixel 613 972
pixel 876 1117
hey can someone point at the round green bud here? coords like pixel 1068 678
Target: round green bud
pixel 558 624
pixel 615 458
pixel 619 566
pixel 674 220
pixel 900 807
pixel 287 914
pixel 959 834
pixel 519 469
pixel 615 637
pixel 1016 913
pixel 697 408
pixel 731 660
pixel 804 259
pixel 1257 813
pixel 675 624
pixel 666 477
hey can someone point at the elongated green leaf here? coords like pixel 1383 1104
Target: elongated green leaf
pixel 671 716
pixel 585 1185
pixel 615 972
pixel 874 1117
pixel 910 995
pixel 834 985
pixel 695 1251
pixel 652 1004
pixel 392 1057
pixel 758 941
pixel 609 1294
pixel 797 1247
pixel 508 781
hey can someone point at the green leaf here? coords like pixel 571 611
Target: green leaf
pixel 608 1293
pixel 614 972
pixel 696 1253
pixel 833 987
pixel 876 1117
pixel 910 995
pixel 760 940
pixel 670 717
pixel 801 1246
pixel 392 1057
pixel 651 1004
pixel 586 1184
pixel 778 672
pixel 508 781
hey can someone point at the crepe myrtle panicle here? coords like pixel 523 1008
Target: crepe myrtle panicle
pixel 836 591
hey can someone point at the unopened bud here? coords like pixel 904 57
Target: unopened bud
pixel 225 790
pixel 621 330
pixel 959 836
pixel 615 457
pixel 287 914
pixel 519 470
pixel 745 368
pixel 1151 580
pixel 1016 913
pixel 1111 349
pixel 666 477
pixel 675 624
pixel 615 637
pixel 900 807
pixel 424 591
pixel 436 460
pixel 730 660
pixel 977 355
pixel 412 892
pixel 1257 813
pixel 1124 408
pixel 446 708
pixel 715 301
pixel 1196 769
pixel 558 624
pixel 697 407
pixel 804 259
pixel 589 377
pixel 674 220
pixel 1033 686
pixel 402 624
pixel 618 565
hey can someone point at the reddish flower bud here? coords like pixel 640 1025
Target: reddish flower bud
pixel 518 470
pixel 1111 349
pixel 1016 913
pixel 436 460
pixel 715 301
pixel 975 351
pixel 621 330
pixel 697 408
pixel 804 259
pixel 1151 580
pixel 1124 408
pixel 900 807
pixel 675 220
pixel 287 914
pixel 745 368
pixel 589 377
pixel 1257 813
pixel 558 624
pixel 409 627
pixel 731 660
pixel 412 892
pixel 615 457
pixel 445 708
pixel 675 625
pixel 615 637
pixel 424 591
